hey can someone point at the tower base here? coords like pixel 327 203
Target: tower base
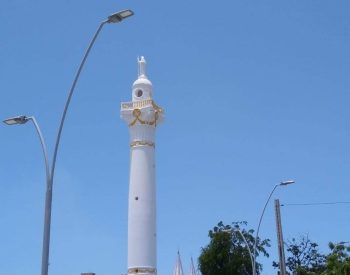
pixel 142 271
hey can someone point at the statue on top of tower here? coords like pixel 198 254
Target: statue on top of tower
pixel 142 67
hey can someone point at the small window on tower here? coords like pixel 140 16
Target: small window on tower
pixel 138 93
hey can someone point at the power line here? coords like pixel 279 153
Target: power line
pixel 316 203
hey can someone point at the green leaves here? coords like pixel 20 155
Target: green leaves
pixel 338 261
pixel 305 259
pixel 227 252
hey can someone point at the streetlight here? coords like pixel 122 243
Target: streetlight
pixel 16 120
pixel 282 183
pixel 22 120
pixel 113 18
pixel 339 245
pixel 119 16
pixel 235 229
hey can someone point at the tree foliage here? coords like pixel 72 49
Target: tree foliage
pixel 338 261
pixel 304 258
pixel 227 252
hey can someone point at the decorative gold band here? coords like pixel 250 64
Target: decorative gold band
pixel 141 143
pixel 137 270
pixel 137 114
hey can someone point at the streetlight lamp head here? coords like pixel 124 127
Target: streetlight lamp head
pixel 119 16
pixel 16 120
pixel 286 182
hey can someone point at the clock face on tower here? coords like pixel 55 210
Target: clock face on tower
pixel 138 93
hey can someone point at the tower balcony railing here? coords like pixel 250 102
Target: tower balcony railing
pixel 136 104
pixel 140 104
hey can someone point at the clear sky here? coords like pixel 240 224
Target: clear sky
pixel 254 92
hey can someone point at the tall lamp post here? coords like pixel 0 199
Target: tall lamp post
pixel 114 18
pixel 282 183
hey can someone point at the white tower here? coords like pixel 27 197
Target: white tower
pixel 142 116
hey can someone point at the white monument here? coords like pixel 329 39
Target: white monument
pixel 142 116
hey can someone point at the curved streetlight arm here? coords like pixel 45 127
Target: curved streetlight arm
pixel 282 183
pixel 70 97
pixel 246 242
pixel 43 146
pixel 48 197
pixel 339 244
pixel 48 201
pixel 257 231
pixel 113 18
pixel 234 230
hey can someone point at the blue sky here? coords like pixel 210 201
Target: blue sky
pixel 254 92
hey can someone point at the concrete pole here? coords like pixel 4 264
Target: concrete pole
pixel 282 261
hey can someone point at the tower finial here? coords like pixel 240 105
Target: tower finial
pixel 142 67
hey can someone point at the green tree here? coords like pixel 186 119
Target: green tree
pixel 227 253
pixel 303 257
pixel 338 261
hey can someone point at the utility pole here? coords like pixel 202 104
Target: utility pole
pixel 282 261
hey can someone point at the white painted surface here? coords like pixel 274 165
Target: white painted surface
pixel 178 270
pixel 142 208
pixel 142 116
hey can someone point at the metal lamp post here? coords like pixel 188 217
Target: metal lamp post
pixel 233 230
pixel 114 18
pixel 283 183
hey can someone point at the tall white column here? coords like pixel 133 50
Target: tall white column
pixel 142 116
